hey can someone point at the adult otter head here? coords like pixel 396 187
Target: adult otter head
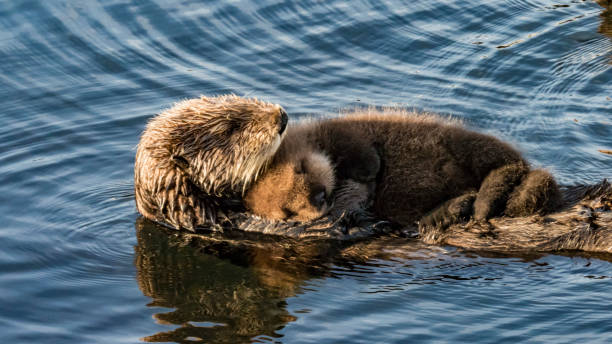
pixel 201 150
pixel 296 187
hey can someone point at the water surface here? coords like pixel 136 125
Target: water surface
pixel 79 79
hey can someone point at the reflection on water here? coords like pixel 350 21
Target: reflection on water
pixel 229 288
pixel 233 287
pixel 207 297
pixel 236 287
pixel 223 289
pixel 606 23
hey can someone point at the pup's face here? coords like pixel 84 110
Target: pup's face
pixel 295 188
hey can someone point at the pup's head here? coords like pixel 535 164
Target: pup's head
pixel 295 187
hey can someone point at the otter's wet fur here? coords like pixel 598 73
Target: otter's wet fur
pixel 583 223
pixel 414 163
pixel 201 152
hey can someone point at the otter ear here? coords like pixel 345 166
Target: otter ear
pixel 180 162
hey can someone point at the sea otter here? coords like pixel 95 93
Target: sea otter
pixel 417 167
pixel 201 152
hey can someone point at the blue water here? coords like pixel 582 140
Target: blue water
pixel 79 79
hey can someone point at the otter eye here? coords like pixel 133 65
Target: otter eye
pixel 301 167
pixel 181 162
pixel 288 213
pixel 232 127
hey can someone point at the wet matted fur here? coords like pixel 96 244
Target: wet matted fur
pixel 202 152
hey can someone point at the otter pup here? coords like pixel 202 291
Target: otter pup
pixel 296 186
pixel 201 152
pixel 424 168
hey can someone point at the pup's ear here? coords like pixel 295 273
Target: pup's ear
pixel 181 162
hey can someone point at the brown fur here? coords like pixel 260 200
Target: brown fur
pixel 296 186
pixel 201 151
pixel 418 162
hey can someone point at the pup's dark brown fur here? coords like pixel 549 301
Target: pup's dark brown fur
pixel 201 151
pixel 427 168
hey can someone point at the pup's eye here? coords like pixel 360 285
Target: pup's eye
pixel 288 213
pixel 301 167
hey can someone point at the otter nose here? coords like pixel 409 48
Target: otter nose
pixel 319 200
pixel 284 118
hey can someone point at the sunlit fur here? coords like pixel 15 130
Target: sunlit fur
pixel 201 150
pixel 289 187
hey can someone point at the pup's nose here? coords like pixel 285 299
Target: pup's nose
pixel 319 200
pixel 284 118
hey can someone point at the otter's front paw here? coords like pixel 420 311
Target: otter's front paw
pixel 362 218
pixel 357 217
pixel 450 212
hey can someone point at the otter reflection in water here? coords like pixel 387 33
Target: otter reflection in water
pixel 233 287
pixel 236 286
pixel 212 284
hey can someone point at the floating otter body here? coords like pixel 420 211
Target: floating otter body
pixel 200 152
pixel 424 168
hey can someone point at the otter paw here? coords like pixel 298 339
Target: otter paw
pixel 360 218
pixel 450 212
pixel 538 193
